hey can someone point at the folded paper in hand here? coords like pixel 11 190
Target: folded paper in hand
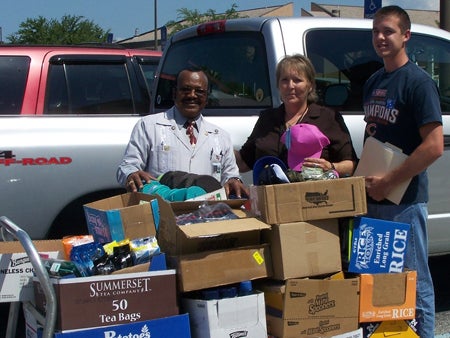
pixel 377 158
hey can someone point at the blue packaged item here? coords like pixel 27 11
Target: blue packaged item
pixel 245 288
pixel 84 256
pixel 378 246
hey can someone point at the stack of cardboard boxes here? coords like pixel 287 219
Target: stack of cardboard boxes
pixel 310 295
pixel 289 247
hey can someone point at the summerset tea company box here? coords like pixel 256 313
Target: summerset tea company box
pixel 112 299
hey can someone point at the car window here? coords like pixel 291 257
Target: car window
pixel 78 86
pixel 13 78
pixel 346 57
pixel 433 55
pixel 148 66
pixel 234 62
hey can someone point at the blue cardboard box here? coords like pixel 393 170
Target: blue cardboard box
pixel 377 246
pixel 123 216
pixel 174 326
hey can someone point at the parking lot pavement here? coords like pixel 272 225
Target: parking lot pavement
pixel 440 271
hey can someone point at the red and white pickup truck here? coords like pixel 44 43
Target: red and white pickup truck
pixel 66 115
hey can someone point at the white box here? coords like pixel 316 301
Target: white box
pixel 16 270
pixel 243 316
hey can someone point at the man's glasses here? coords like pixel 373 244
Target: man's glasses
pixel 188 90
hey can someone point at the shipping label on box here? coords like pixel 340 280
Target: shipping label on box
pixel 112 299
pixel 312 307
pixel 387 296
pixel 242 316
pixel 378 246
pixel 16 270
pixel 304 249
pixel 120 217
pixel 309 200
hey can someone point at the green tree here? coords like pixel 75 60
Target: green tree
pixel 187 18
pixel 69 31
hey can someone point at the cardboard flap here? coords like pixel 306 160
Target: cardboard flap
pixel 40 245
pixel 222 227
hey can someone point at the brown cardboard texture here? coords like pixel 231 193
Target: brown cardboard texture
pixel 113 299
pixel 214 268
pixel 309 200
pixel 312 307
pixel 304 249
pixel 119 217
pixel 199 237
pixel 387 296
pixel 16 270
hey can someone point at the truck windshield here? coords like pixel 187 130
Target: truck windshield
pixel 234 62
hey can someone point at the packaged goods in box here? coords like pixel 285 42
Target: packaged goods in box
pixel 390 328
pixel 174 326
pixel 311 307
pixel 112 299
pixel 309 200
pixel 214 268
pixel 387 296
pixel 242 316
pixel 378 246
pixel 212 253
pixel 16 270
pixel 200 237
pixel 119 217
pixel 303 249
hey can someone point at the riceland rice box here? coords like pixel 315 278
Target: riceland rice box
pixel 378 246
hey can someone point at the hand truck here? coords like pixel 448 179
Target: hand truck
pixel 49 320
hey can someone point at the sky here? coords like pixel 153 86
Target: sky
pixel 125 18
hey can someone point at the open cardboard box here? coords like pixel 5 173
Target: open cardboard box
pixel 387 296
pixel 212 253
pixel 242 316
pixel 119 217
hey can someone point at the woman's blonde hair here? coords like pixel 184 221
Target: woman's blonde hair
pixel 302 65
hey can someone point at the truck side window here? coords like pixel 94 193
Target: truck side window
pixel 88 88
pixel 344 57
pixel 347 57
pixel 13 79
pixel 433 55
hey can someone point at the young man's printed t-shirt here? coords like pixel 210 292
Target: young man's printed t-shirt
pixel 396 105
